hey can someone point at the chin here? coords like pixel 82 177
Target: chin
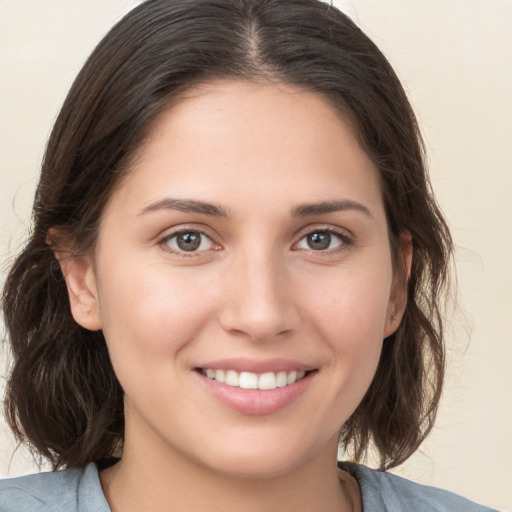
pixel 252 467
pixel 263 458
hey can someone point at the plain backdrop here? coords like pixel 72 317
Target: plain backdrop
pixel 454 58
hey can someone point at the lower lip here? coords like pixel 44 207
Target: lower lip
pixel 255 402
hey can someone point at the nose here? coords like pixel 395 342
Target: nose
pixel 258 302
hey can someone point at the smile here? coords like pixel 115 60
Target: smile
pixel 249 380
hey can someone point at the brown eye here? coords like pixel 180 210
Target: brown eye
pixel 322 241
pixel 189 241
pixel 319 241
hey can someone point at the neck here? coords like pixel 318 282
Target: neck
pixel 172 482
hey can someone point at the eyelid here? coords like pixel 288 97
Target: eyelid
pixel 344 234
pixel 167 235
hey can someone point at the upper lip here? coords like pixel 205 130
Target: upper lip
pixel 256 366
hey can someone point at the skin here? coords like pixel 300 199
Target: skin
pixel 255 290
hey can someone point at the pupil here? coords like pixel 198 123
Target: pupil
pixel 189 241
pixel 319 241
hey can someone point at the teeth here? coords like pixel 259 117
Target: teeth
pixel 267 381
pixel 231 378
pixel 281 379
pixel 249 380
pixel 291 377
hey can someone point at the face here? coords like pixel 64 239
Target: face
pixel 243 280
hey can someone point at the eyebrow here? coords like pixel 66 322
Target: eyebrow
pixel 307 209
pixel 186 206
pixel 302 210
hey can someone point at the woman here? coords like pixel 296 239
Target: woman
pixel 235 267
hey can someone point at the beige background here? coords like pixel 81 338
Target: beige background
pixel 454 57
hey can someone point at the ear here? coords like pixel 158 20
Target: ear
pixel 402 271
pixel 78 272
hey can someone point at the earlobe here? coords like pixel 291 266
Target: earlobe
pixel 78 272
pixel 398 298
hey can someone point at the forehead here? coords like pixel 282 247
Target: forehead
pixel 269 140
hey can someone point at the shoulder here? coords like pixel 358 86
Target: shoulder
pixel 74 490
pixel 383 491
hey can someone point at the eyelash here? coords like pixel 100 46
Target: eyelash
pixel 345 242
pixel 164 242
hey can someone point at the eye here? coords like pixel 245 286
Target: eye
pixel 322 240
pixel 188 241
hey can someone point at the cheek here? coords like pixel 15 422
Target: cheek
pixel 350 310
pixel 152 314
pixel 352 301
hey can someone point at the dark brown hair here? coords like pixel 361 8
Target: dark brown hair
pixel 63 398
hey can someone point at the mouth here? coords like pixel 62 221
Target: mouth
pixel 266 381
pixel 256 388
